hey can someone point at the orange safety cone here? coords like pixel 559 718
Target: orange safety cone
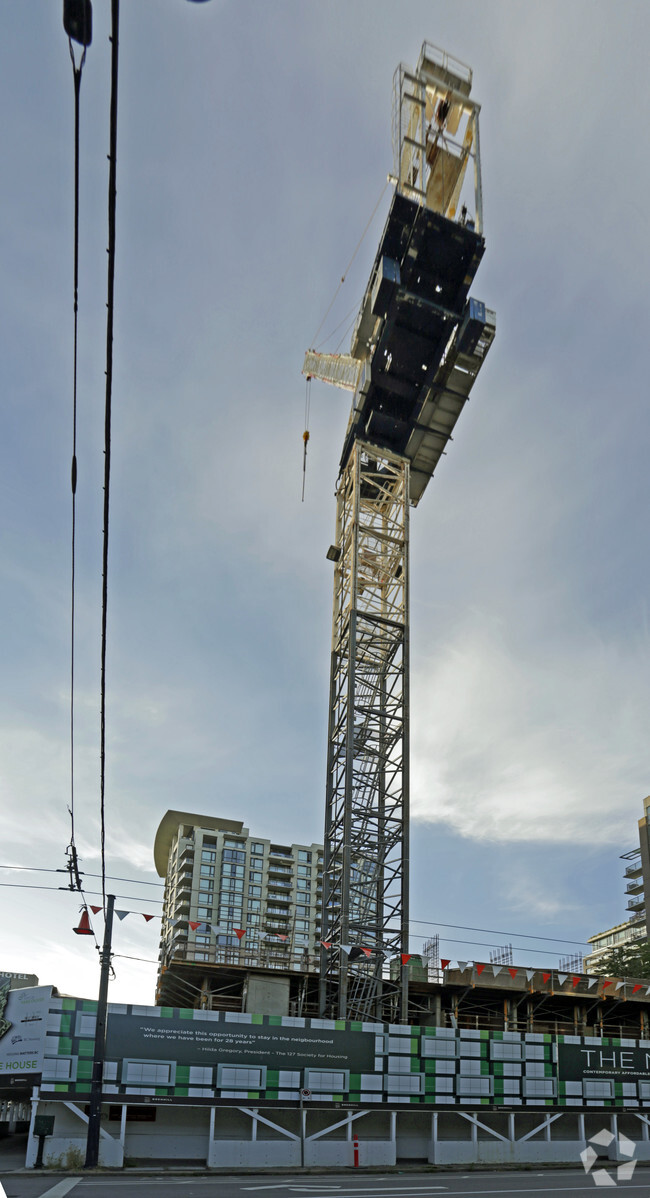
pixel 84 928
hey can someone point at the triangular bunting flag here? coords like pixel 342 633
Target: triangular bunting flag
pixel 530 973
pixel 497 969
pixel 445 962
pixel 217 930
pixel 618 985
pixel 479 969
pixel 606 983
pixel 122 914
pixel 562 977
pixel 282 938
pixel 94 909
pixel 146 917
pixel 172 922
pixel 593 982
pixel 462 966
pixel 194 923
pixel 513 972
pixel 647 992
pixel 545 977
pixel 345 948
pixel 637 987
pixel 367 951
pixel 326 943
pixel 575 981
pixel 406 957
pixel 239 933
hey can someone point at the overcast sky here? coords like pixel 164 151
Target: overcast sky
pixel 254 143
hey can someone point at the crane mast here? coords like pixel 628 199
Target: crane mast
pixel 418 344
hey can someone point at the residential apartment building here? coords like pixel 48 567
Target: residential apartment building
pixel 232 897
pixel 637 886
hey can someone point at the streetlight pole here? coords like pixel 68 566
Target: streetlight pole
pixel 95 1109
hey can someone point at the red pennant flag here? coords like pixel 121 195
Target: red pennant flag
pixel 444 962
pixel 239 932
pixel 513 973
pixel 574 982
pixel 326 943
pixel 637 987
pixel 367 951
pixel 406 957
pixel 479 969
pixel 194 924
pixel 278 936
pixel 147 917
pixel 94 909
pixel 606 984
pixel 545 977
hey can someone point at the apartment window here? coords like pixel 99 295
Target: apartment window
pixel 302 895
pixel 303 856
pixel 206 896
pixel 208 855
pixel 201 956
pixel 254 875
pixel 254 905
pixel 304 871
pixel 302 910
pixel 302 925
pixel 228 870
pixel 228 911
pixel 255 891
pixel 207 871
pixel 227 941
pixel 204 912
pixel 232 884
pixel 253 921
pixel 232 855
pixel 256 847
pixel 204 941
pixel 257 862
pixel 234 844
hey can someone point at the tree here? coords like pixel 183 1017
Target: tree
pixel 629 961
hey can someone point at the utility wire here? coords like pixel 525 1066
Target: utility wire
pixel 71 851
pixel 41 870
pixel 112 196
pixel 496 932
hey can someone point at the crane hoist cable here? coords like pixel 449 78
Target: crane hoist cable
pixel 345 272
pixel 305 435
pixel 77 22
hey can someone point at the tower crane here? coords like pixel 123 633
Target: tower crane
pixel 417 346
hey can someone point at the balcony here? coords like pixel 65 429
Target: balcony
pixel 636 905
pixel 635 887
pixel 633 871
pixel 279 882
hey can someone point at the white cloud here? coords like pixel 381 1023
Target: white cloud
pixel 548 745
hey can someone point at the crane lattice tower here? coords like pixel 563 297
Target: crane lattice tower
pixel 418 344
